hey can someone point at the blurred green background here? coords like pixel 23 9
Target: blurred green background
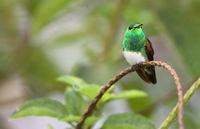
pixel 43 39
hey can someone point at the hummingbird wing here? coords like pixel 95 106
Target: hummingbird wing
pixel 149 50
pixel 148 74
pixel 151 70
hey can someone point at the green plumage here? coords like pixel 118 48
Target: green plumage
pixel 134 39
pixel 137 48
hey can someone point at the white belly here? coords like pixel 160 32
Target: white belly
pixel 133 57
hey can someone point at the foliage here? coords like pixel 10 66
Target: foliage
pixel 41 107
pixel 77 95
pixel 127 121
pixel 42 39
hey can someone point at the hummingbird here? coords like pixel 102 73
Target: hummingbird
pixel 138 48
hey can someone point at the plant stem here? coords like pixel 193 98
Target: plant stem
pixel 172 115
pixel 126 71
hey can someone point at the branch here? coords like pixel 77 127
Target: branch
pixel 126 71
pixel 172 115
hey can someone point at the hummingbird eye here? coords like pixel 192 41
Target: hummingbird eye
pixel 130 27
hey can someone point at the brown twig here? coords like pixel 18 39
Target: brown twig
pixel 126 71
pixel 178 88
pixel 172 115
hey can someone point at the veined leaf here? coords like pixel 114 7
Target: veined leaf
pixel 74 102
pixel 92 90
pixel 127 121
pixel 41 107
pixel 73 81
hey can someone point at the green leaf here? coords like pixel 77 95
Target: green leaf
pixel 127 121
pixel 41 107
pixel 92 90
pixel 131 94
pixel 89 121
pixel 140 104
pixel 72 81
pixel 74 102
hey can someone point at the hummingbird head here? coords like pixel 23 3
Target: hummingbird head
pixel 134 37
pixel 135 26
pixel 135 30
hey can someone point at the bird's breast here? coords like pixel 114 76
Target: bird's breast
pixel 133 57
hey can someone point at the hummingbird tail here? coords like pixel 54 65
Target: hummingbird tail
pixel 147 74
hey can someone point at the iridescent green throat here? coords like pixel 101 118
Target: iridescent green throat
pixel 134 40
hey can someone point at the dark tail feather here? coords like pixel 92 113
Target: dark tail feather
pixel 148 75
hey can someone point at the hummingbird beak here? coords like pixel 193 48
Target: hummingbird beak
pixel 140 26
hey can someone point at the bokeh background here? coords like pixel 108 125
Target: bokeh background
pixel 41 40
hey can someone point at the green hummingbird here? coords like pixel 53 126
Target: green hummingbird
pixel 137 48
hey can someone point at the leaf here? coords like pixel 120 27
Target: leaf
pixel 127 121
pixel 140 104
pixel 72 81
pixel 41 107
pixel 92 90
pixel 89 121
pixel 74 102
pixel 131 94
